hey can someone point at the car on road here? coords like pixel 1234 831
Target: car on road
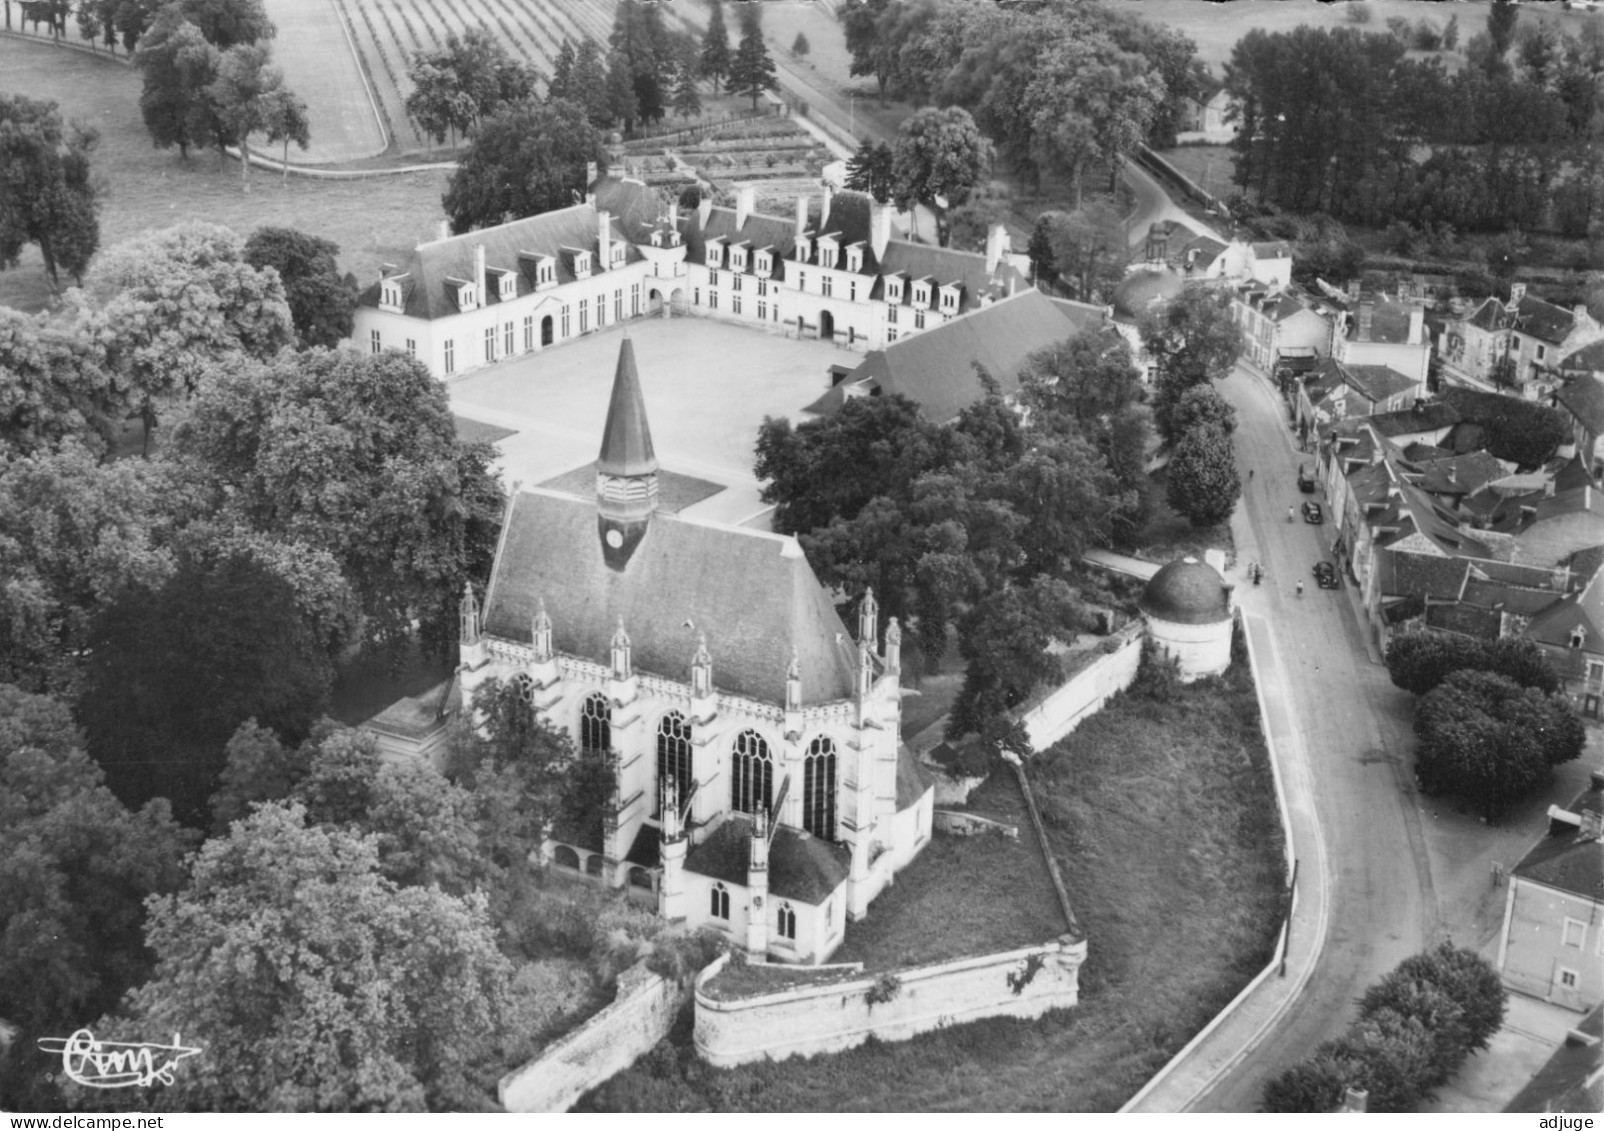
pixel 1313 513
pixel 1326 576
pixel 1305 481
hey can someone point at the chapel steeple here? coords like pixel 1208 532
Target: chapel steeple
pixel 626 469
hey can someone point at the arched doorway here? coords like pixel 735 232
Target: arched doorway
pixel 676 301
pixel 545 331
pixel 826 326
pixel 654 302
pixel 565 857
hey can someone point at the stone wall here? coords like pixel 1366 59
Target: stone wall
pixel 955 822
pixel 891 1007
pixel 1085 692
pixel 641 1014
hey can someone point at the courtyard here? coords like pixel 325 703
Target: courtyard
pixel 707 385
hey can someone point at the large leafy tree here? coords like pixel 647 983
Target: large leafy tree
pixel 870 170
pixel 175 302
pixel 228 23
pixel 1491 741
pixel 939 153
pixel 73 879
pixel 527 160
pixel 356 456
pixel 316 984
pixel 53 384
pixel 178 66
pixel 109 20
pixel 250 97
pixel 1087 250
pixel 1193 341
pixel 1005 646
pixel 1202 480
pixel 648 54
pixel 751 68
pixel 715 55
pixel 1419 661
pixel 1202 406
pixel 321 300
pixel 466 82
pixel 47 197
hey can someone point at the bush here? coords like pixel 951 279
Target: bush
pixel 1419 661
pixel 1521 431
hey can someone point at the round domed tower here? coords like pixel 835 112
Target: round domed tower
pixel 1142 290
pixel 1188 609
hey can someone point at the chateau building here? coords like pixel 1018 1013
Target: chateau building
pixel 761 786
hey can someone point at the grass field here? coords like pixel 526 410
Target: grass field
pixel 1209 166
pixel 1168 535
pixel 313 50
pixel 1162 815
pixel 374 221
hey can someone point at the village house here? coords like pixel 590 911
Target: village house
pixel 1553 936
pixel 1528 336
pixel 1280 321
pixel 1333 391
pixel 761 785
pixel 1208 112
pixel 1581 398
pixel 1375 330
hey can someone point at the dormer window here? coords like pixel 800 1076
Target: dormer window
pixel 391 295
pixel 921 295
pixel 657 237
pixel 467 294
pixel 506 284
pixel 1578 636
pixel 738 258
pixel 804 249
pixel 855 258
pixel 673 239
pixel 618 253
pixel 827 253
pixel 715 254
pixel 763 263
pixel 545 269
pixel 949 298
pixel 581 264
pixel 893 289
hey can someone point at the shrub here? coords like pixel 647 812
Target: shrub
pixel 1312 1085
pixel 1419 661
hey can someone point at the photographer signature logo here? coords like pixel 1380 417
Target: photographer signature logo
pixel 116 1064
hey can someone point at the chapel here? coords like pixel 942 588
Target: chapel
pixel 760 783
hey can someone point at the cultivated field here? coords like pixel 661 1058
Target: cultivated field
pixel 314 51
pixel 373 221
pixel 388 33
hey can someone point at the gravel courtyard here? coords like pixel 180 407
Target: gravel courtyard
pixel 708 385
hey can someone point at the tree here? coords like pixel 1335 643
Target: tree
pixel 870 170
pixel 590 84
pixel 1194 341
pixel 228 23
pixel 687 102
pixel 75 534
pixel 53 384
pixel 623 101
pixel 107 19
pixel 174 670
pixel 247 89
pixel 285 118
pixel 1419 661
pixel 1395 1057
pixel 1202 406
pixel 1202 480
pixel 315 983
pixel 258 767
pixel 357 456
pixel 751 70
pixel 1089 250
pixel 1316 1084
pixel 1437 1012
pixel 175 302
pixel 321 300
pixel 1470 981
pixel 527 160
pixel 800 46
pixel 466 82
pixel 715 57
pixel 1004 640
pixel 73 880
pixel 1501 18
pixel 939 154
pixel 178 66
pixel 1491 741
pixel 46 195
pixel 562 72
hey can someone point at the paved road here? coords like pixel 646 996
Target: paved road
pixel 1356 744
pixel 1153 203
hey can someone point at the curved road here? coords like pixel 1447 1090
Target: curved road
pixel 1153 203
pixel 1383 904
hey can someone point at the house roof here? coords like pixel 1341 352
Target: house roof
pixel 936 369
pixel 1200 252
pixel 1186 591
pixel 1573 475
pixel 943 265
pixel 1588 359
pixel 1459 475
pixel 1583 608
pixel 1543 320
pixel 1515 599
pixel 1466 620
pixel 636 207
pixel 751 593
pixel 1565 861
pixel 1570 1080
pixel 760 231
pixel 430 266
pixel 1491 315
pixel 626 448
pixel 1425 417
pixel 1273 249
pixel 1420 575
pixel 802 867
pixel 1389 323
pixel 1141 290
pixel 1378 382
pixel 1584 397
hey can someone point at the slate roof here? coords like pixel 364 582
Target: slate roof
pixel 752 593
pixel 1584 397
pixel 1460 475
pixel 1466 620
pixel 1570 1080
pixel 627 438
pixel 430 265
pixel 1420 575
pixel 1199 253
pixel 1573 475
pixel 1581 609
pixel 760 231
pixel 1426 417
pixel 1273 249
pixel 1578 500
pixel 635 207
pixel 1389 323
pixel 940 265
pixel 935 368
pixel 1516 599
pixel 1566 862
pixel 1585 564
pixel 1378 382
pixel 1186 591
pixel 1543 320
pixel 1588 359
pixel 913 779
pixel 1491 315
pixel 802 868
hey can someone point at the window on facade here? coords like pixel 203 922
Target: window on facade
pixel 529 332
pixel 785 922
pixel 948 300
pixel 1578 637
pixel 526 688
pixel 1541 351
pixel 852 289
pixel 507 338
pixel 751 774
pixel 1567 978
pixel 618 305
pixel 826 286
pixel 718 904
pixel 762 310
pixel 735 304
pixel 891 335
pixel 412 347
pixel 490 343
pixel 801 281
pixel 674 753
pixel 818 788
pixel 762 288
pixel 715 254
pixel 634 299
pixel 565 321
pixel 584 315
pixel 595 724
pixel 1574 932
pixel 918 320
pixel 451 356
pixel 712 300
pixel 696 296
pixel 891 314
pixel 735 283
pixel 373 340
pixel 712 278
pixel 601 310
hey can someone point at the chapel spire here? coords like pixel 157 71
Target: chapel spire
pixel 626 468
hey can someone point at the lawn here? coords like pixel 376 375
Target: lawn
pixel 373 220
pixel 1209 166
pixel 1162 814
pixel 1167 535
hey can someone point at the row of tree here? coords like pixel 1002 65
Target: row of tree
pixel 1415 1028
pixel 1346 123
pixel 1492 718
pixel 1057 87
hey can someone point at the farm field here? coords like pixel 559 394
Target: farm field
pixel 373 221
pixel 316 56
pixel 387 33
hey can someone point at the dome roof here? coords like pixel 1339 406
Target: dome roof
pixel 1186 592
pixel 1141 289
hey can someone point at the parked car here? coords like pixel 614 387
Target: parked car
pixel 1305 481
pixel 1326 576
pixel 1313 513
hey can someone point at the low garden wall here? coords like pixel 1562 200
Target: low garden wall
pixel 894 1006
pixel 1085 692
pixel 641 1014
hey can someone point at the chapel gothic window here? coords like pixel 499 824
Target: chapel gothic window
pixel 752 782
pixel 595 725
pixel 786 922
pixel 526 688
pixel 719 902
pixel 673 754
pixel 818 788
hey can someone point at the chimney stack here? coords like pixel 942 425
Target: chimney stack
pixel 824 212
pixel 444 231
pixel 604 241
pixel 1367 314
pixel 1517 291
pixel 1417 325
pixel 745 200
pixel 801 215
pixel 673 214
pixel 704 212
pixel 879 227
pixel 479 271
pixel 996 245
